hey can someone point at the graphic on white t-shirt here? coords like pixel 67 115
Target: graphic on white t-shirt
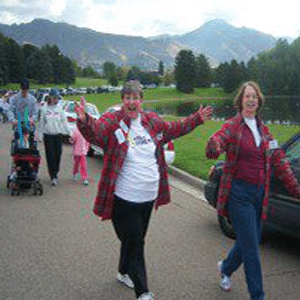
pixel 138 179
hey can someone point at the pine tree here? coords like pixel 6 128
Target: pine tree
pixel 185 71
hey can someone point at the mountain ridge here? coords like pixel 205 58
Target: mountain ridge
pixel 216 39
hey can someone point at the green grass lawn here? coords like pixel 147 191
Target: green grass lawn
pixel 79 82
pixel 190 149
pixel 155 98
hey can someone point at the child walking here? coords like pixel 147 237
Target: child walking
pixel 80 149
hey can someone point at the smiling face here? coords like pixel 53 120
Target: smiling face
pixel 249 102
pixel 132 104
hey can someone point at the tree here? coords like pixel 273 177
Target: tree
pixel 3 62
pixel 294 76
pixel 122 73
pixel 67 71
pixel 29 54
pixel 185 71
pixel 89 72
pixel 161 68
pixel 230 76
pixel 252 69
pixel 14 60
pixel 109 69
pixel 113 80
pixel 203 72
pixel 168 78
pixel 42 68
pixel 134 73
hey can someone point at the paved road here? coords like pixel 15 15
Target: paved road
pixel 53 248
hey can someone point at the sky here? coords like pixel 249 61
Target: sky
pixel 154 17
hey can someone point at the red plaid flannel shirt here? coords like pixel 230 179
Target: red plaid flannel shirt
pixel 102 133
pixel 228 140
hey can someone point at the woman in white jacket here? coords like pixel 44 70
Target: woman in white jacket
pixel 52 124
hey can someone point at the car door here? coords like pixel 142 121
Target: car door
pixel 284 210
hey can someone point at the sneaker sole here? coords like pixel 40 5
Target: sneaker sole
pixel 220 274
pixel 124 283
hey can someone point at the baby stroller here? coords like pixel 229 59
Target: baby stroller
pixel 25 164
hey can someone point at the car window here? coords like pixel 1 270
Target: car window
pixel 293 152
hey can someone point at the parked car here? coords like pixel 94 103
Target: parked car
pixel 91 109
pixel 283 211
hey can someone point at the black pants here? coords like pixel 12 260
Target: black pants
pixel 130 221
pixel 53 150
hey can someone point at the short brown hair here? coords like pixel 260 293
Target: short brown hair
pixel 132 86
pixel 239 97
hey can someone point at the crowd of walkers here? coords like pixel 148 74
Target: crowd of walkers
pixel 134 177
pixel 52 125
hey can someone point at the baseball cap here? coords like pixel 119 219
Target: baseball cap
pixel 24 84
pixel 54 93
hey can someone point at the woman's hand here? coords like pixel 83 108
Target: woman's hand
pixel 80 109
pixel 205 112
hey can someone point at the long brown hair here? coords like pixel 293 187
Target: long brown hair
pixel 239 97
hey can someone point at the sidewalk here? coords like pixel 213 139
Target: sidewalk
pixel 187 178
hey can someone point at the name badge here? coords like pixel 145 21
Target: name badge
pixel 131 140
pixel 124 126
pixel 273 144
pixel 120 136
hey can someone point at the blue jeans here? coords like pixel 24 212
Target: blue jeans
pixel 245 206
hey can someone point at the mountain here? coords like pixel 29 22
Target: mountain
pixel 216 39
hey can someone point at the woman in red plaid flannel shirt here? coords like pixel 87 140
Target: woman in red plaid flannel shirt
pixel 134 175
pixel 244 188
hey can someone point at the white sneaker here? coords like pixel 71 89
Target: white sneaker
pixel 54 182
pixel 85 182
pixel 75 177
pixel 146 296
pixel 125 279
pixel 225 282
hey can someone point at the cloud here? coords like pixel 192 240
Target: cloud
pixel 154 17
pixel 26 11
pixel 105 2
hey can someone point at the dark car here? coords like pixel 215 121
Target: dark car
pixel 283 211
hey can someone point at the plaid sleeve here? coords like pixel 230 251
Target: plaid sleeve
pixel 217 143
pixel 96 131
pixel 175 129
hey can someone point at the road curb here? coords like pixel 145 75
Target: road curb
pixel 187 178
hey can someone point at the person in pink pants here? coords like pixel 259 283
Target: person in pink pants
pixel 80 149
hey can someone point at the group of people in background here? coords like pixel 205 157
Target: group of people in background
pixel 52 125
pixel 134 177
pixel 4 105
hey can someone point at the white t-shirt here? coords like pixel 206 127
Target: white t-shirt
pixel 138 180
pixel 53 121
pixel 252 124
